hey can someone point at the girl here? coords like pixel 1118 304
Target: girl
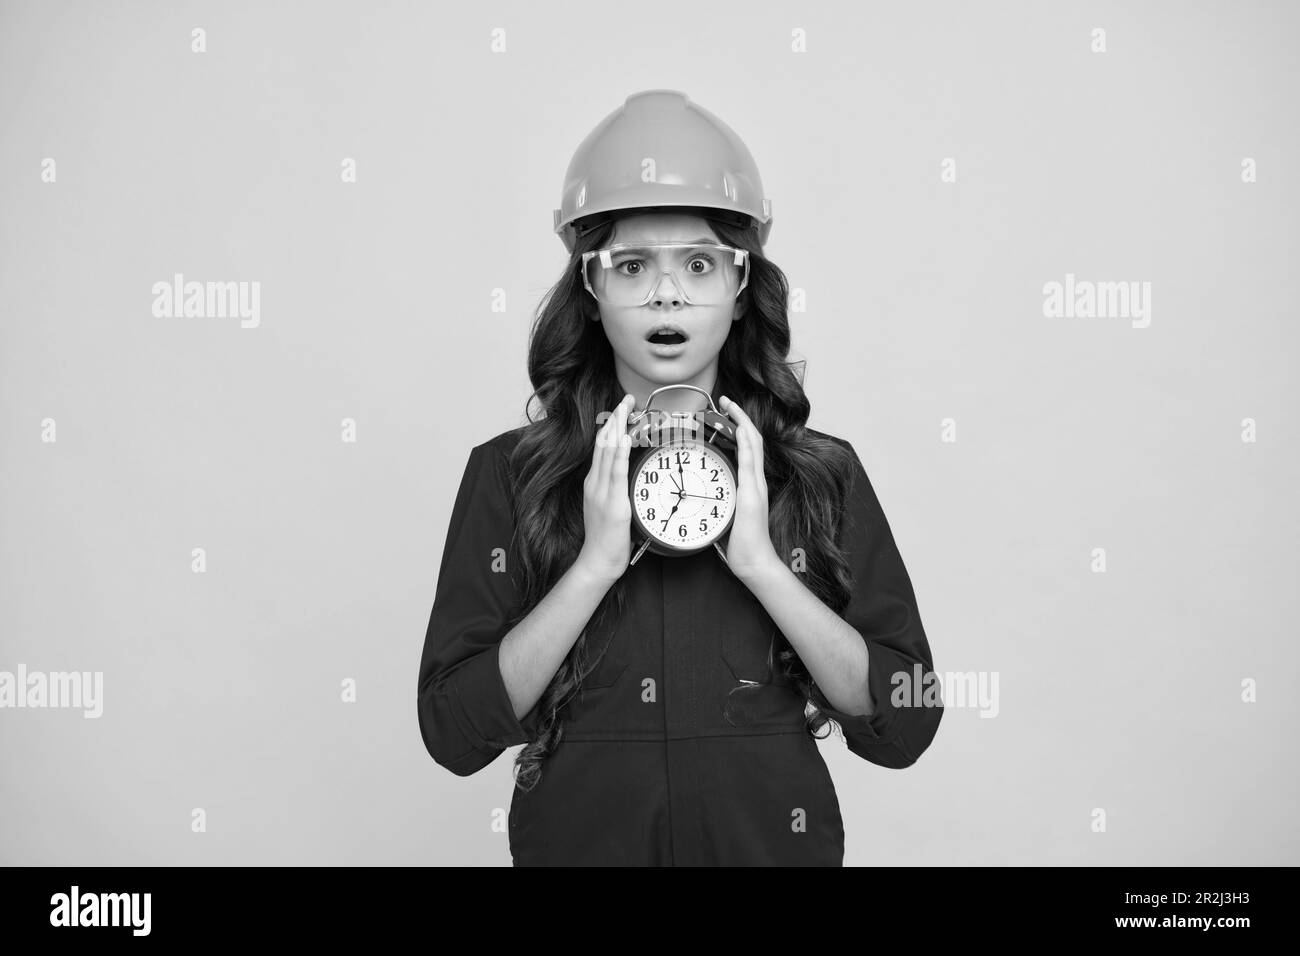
pixel 669 704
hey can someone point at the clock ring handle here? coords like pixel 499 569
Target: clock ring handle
pixel 649 402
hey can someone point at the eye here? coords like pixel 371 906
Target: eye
pixel 703 260
pixel 629 262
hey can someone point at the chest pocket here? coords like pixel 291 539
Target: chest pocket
pixel 606 702
pixel 756 694
pixel 605 706
pixel 748 649
pixel 607 673
pixel 612 640
pixel 747 638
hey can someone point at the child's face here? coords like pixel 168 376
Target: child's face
pixel 642 366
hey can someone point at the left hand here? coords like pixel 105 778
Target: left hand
pixel 749 545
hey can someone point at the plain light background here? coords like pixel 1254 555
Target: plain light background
pixel 1118 690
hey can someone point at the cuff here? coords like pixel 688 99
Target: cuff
pixel 482 705
pixel 883 724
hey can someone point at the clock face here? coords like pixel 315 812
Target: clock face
pixel 684 494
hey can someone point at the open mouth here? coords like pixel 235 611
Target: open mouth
pixel 667 338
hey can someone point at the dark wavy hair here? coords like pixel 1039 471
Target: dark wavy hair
pixel 571 367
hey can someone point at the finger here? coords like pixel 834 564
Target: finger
pixel 744 463
pixel 738 413
pixel 755 438
pixel 620 428
pixel 734 412
pixel 600 458
pixel 621 456
pixel 760 479
pixel 623 412
pixel 610 428
pixel 615 425
pixel 593 472
pixel 755 461
pixel 751 468
pixel 744 427
pixel 746 424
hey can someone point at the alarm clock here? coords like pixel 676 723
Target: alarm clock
pixel 681 478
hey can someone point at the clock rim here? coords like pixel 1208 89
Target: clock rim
pixel 688 440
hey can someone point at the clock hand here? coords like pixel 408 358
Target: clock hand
pixel 680 492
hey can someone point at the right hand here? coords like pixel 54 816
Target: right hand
pixel 606 507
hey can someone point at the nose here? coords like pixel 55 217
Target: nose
pixel 667 292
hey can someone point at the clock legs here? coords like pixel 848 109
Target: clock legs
pixel 640 551
pixel 646 543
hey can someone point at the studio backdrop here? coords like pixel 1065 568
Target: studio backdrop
pixel 1041 260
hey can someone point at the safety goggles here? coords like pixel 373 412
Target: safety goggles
pixel 628 274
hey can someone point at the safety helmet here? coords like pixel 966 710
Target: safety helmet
pixel 660 150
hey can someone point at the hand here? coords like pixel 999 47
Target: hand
pixel 749 545
pixel 606 508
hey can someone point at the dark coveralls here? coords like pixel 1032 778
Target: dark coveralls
pixel 649 770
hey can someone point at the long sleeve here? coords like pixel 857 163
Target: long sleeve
pixel 465 714
pixel 883 610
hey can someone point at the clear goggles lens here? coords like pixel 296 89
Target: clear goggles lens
pixel 628 274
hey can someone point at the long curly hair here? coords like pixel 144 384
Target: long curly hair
pixel 571 367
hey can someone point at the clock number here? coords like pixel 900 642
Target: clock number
pixel 681 531
pixel 652 477
pixel 715 475
pixel 683 460
pixel 703 525
pixel 714 512
pixel 718 496
pixel 645 494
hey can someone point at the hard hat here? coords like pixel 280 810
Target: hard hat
pixel 661 150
